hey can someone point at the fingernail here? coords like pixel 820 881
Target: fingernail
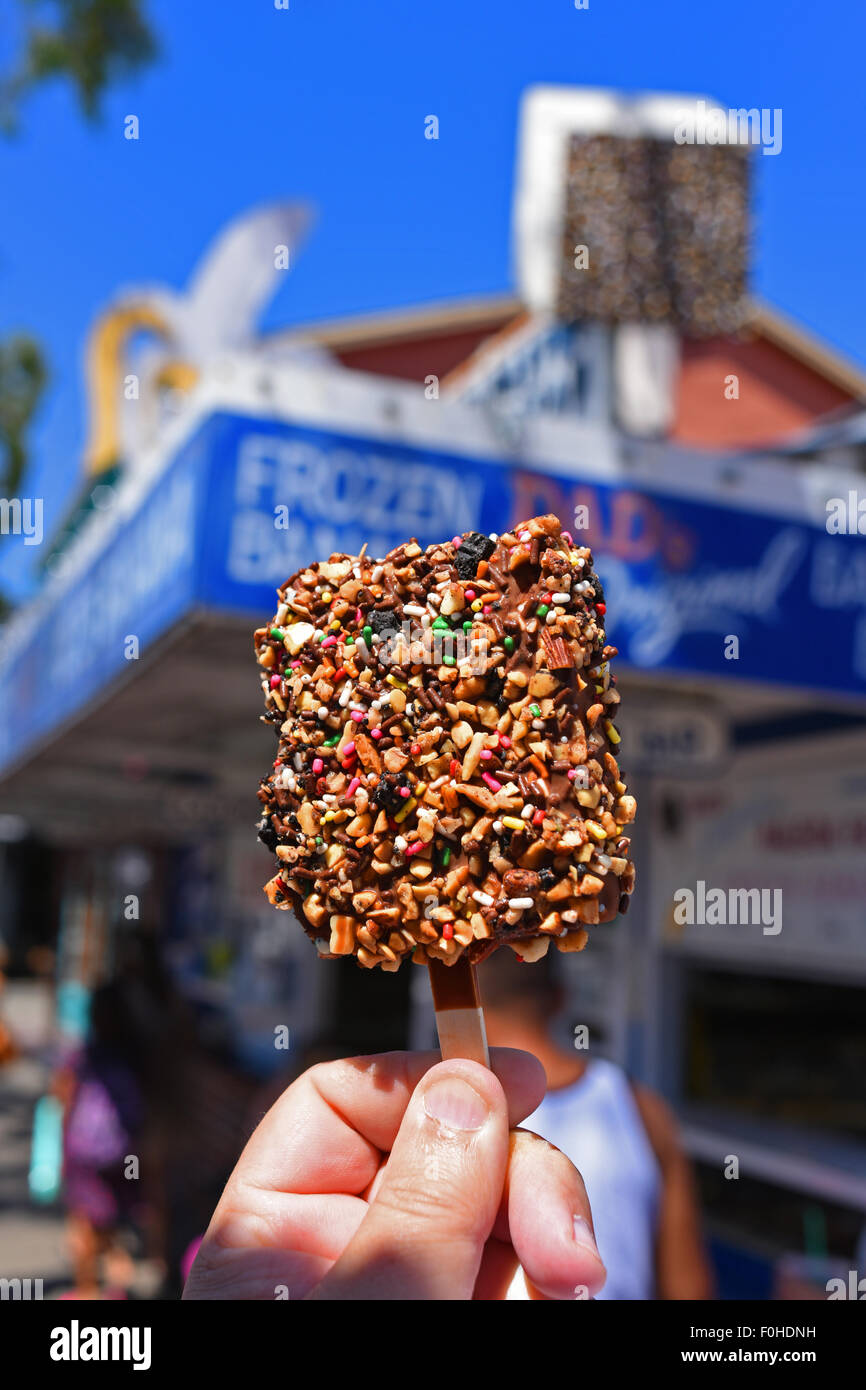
pixel 583 1236
pixel 455 1104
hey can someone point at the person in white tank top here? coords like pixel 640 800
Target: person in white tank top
pixel 621 1138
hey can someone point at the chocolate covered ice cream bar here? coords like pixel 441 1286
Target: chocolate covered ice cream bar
pixel 446 778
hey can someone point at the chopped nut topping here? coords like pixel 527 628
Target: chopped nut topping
pixel 430 799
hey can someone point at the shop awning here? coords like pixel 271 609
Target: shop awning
pixel 144 643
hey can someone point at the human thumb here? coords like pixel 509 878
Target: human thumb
pixel 435 1201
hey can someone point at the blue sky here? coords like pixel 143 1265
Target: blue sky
pixel 327 101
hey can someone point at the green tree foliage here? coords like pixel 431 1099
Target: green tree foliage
pixel 23 375
pixel 92 43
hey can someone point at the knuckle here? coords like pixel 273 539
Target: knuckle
pixel 433 1197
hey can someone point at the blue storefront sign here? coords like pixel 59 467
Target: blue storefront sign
pixel 691 586
pixel 682 577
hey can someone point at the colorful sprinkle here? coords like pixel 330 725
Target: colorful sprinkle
pixel 321 761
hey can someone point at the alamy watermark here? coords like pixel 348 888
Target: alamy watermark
pixel 846 516
pixel 22 516
pixel 77 1343
pixel 21 1290
pixel 853 1288
pixel 715 907
pixel 414 645
pixel 711 125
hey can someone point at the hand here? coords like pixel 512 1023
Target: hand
pixel 393 1177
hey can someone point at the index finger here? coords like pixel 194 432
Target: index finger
pixel 328 1131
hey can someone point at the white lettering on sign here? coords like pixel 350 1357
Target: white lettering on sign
pixel 657 615
pixel 337 499
pixel 838 576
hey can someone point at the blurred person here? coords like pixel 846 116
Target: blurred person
pixel 124 1094
pixel 104 1103
pixel 621 1136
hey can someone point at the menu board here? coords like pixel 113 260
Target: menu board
pixel 796 833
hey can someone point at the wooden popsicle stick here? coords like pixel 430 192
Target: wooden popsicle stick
pixel 459 1015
